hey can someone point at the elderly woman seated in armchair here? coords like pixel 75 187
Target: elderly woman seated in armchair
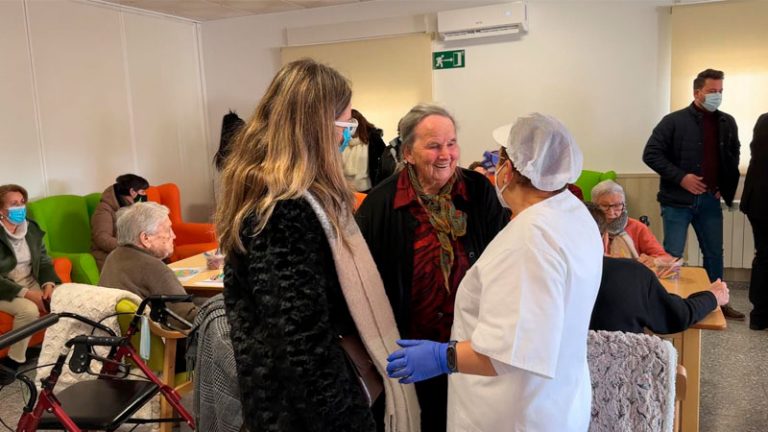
pixel 145 238
pixel 27 277
pixel 628 237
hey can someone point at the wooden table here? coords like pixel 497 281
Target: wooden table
pixel 688 343
pixel 197 262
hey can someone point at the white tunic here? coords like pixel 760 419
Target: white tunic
pixel 526 304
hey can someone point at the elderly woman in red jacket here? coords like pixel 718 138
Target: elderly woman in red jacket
pixel 628 237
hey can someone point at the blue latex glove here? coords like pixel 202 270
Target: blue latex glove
pixel 418 360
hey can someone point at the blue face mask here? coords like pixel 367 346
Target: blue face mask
pixel 347 134
pixel 712 101
pixel 17 215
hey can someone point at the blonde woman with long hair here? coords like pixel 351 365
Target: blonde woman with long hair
pixel 299 280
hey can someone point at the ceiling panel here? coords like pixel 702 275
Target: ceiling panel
pixel 258 7
pixel 207 10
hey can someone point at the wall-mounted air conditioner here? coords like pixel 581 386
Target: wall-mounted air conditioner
pixel 494 20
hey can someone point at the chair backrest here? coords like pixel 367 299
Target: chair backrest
pixel 359 197
pixel 168 195
pixel 63 269
pixel 217 393
pixel 91 201
pixel 127 309
pixel 66 221
pixel 589 179
pixel 633 382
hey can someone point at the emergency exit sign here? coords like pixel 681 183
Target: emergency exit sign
pixel 448 59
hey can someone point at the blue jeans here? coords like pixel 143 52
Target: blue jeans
pixel 706 216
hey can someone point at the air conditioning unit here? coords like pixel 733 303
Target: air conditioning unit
pixel 494 20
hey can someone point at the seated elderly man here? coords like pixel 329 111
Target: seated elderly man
pixel 631 298
pixel 145 238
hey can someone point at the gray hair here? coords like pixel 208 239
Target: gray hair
pixel 607 187
pixel 407 125
pixel 141 217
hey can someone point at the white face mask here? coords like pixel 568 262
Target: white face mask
pixel 500 191
pixel 712 101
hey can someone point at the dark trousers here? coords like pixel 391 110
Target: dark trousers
pixel 433 400
pixel 758 285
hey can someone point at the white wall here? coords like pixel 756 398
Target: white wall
pixel 243 54
pixel 88 92
pixel 595 66
pixel 601 67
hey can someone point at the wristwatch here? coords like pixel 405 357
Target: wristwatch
pixel 450 355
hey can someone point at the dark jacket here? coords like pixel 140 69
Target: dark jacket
pixel 286 309
pixel 389 233
pixel 390 158
pixel 631 298
pixel 754 200
pixel 675 149
pixel 42 265
pixel 375 151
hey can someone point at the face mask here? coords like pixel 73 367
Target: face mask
pixel 500 191
pixel 347 136
pixel 140 198
pixel 712 101
pixel 17 215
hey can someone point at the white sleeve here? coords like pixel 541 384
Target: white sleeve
pixel 521 311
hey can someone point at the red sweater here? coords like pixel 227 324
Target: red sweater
pixel 645 242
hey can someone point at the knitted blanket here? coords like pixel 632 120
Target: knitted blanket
pixel 633 382
pixel 90 301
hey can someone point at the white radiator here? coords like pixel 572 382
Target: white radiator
pixel 738 243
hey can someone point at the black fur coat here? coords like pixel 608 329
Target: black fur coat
pixel 286 310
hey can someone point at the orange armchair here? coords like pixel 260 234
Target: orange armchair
pixel 63 268
pixel 359 198
pixel 191 238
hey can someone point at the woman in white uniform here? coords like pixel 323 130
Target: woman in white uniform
pixel 518 356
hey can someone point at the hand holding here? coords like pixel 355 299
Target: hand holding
pixel 646 260
pixel 47 291
pixel 36 297
pixel 418 360
pixel 694 184
pixel 721 292
pixel 666 266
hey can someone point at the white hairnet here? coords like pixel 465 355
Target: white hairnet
pixel 542 149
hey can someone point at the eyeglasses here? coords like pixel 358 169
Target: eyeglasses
pixel 606 207
pixel 350 124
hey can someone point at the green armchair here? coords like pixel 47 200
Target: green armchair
pixel 589 179
pixel 67 223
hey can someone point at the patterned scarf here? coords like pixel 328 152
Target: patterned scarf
pixel 617 226
pixel 621 244
pixel 449 223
